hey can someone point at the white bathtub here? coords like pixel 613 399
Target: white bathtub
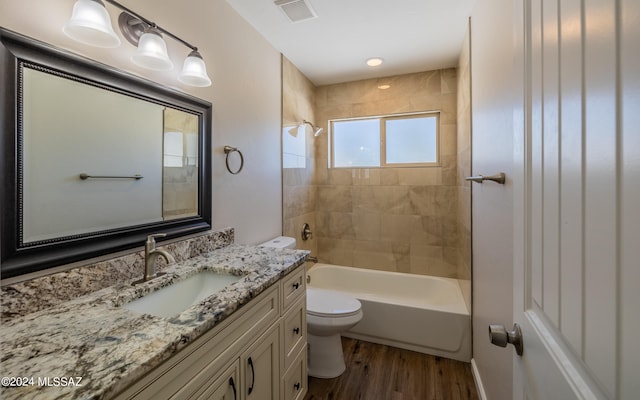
pixel 415 312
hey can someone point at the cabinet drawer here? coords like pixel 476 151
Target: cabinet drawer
pixel 294 331
pixel 295 380
pixel 293 286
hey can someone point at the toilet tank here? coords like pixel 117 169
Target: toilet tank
pixel 281 242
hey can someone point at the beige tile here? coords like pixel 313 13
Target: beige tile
pixel 450 176
pixel 400 201
pixel 389 176
pixel 336 251
pixel 366 176
pixel 341 226
pixel 448 139
pixel 397 227
pixel 381 107
pixel 401 253
pixel 424 257
pixel 448 109
pixel 366 225
pixel 374 255
pixel 348 93
pixel 335 198
pixel 426 102
pixel 427 231
pixel 449 80
pixel 340 176
pixel 423 200
pixel 321 96
pixel 433 81
pixel 388 199
pixel 322 223
pixel 335 111
pixel 419 176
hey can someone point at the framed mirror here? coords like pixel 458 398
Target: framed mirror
pixel 94 159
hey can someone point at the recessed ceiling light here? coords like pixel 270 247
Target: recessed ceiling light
pixel 384 87
pixel 374 62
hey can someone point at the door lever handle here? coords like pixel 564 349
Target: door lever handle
pixel 499 178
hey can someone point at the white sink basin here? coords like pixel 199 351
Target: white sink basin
pixel 177 297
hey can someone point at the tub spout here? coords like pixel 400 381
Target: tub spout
pixel 311 258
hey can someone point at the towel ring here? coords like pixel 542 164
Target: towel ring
pixel 227 151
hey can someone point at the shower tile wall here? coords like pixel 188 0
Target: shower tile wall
pixel 393 219
pixel 298 191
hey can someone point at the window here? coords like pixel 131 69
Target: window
pixel 390 141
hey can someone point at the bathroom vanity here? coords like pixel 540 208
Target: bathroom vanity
pixel 247 341
pixel 246 356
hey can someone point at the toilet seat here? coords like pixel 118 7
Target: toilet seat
pixel 331 303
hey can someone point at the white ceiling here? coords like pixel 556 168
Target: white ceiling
pixel 410 35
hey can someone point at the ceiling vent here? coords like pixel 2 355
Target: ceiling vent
pixel 296 10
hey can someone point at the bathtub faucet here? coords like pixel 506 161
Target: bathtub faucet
pixel 312 258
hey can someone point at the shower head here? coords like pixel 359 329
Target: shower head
pixel 316 129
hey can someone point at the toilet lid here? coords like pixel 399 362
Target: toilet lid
pixel 331 303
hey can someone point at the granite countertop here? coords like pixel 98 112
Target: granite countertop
pixel 110 347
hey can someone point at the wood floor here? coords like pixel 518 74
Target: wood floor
pixel 378 372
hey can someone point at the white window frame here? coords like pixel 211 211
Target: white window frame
pixel 383 141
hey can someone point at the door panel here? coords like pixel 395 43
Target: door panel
pixel 629 293
pixel 575 176
pixel 571 208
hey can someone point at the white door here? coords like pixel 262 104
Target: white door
pixel 577 199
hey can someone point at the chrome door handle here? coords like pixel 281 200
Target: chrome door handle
pixel 499 178
pixel 501 337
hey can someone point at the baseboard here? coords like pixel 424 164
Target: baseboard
pixel 478 380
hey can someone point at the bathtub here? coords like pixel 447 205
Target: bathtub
pixel 415 312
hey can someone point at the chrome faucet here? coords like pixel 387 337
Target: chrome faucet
pixel 150 256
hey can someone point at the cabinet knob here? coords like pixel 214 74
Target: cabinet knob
pixel 296 285
pixel 297 386
pixel 296 331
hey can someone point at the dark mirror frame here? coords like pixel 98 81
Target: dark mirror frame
pixel 18 259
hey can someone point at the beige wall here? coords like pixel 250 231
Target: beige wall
pixel 246 94
pixel 394 219
pixel 298 191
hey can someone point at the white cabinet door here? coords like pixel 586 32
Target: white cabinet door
pixel 225 387
pixel 261 367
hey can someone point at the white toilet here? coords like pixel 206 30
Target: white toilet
pixel 329 313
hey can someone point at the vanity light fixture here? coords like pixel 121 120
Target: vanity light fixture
pixel 152 51
pixel 90 24
pixel 194 71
